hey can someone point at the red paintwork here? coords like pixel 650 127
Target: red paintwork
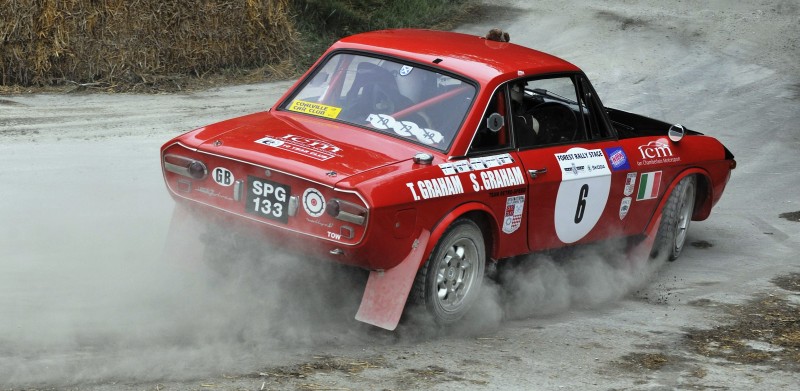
pixel 376 171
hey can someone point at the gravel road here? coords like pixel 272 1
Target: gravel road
pixel 87 301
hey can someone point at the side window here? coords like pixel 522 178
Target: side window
pixel 593 109
pixel 546 112
pixel 493 132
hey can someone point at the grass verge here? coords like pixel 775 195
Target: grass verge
pixel 318 24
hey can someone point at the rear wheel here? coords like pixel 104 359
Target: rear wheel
pixel 450 281
pixel 675 220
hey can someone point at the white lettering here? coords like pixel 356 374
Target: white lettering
pixel 413 192
pixel 503 177
pixel 475 185
pixel 456 183
pixel 437 187
pixel 280 194
pixel 423 188
pixel 318 144
pixel 655 149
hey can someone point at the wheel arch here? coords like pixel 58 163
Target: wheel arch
pixel 703 196
pixel 702 200
pixel 477 212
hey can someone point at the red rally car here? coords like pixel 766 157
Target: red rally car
pixel 422 155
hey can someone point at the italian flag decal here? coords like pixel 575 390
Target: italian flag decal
pixel 648 185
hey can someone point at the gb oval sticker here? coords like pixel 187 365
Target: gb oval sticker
pixel 223 176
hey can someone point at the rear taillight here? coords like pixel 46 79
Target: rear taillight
pixel 185 166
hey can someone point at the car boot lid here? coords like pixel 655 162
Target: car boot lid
pixel 308 147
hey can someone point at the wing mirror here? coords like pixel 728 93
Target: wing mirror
pixel 676 132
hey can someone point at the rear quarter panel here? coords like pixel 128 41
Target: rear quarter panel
pixel 406 194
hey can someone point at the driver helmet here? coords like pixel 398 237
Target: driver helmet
pixel 517 92
pixel 413 82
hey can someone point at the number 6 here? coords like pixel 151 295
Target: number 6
pixel 584 192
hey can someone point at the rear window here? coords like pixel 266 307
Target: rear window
pixel 392 97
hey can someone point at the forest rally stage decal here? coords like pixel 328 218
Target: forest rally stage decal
pixel 582 194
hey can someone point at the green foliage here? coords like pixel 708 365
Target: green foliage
pixel 321 22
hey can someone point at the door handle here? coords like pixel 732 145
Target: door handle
pixel 535 173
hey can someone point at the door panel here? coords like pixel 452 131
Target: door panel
pixel 578 199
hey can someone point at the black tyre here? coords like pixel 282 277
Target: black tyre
pixel 450 281
pixel 675 220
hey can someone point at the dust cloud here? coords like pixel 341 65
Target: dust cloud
pixel 546 284
pixel 178 318
pixel 97 285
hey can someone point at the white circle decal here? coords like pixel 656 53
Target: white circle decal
pixel 582 194
pixel 223 176
pixel 313 202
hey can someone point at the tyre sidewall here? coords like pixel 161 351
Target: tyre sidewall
pixel 461 229
pixel 665 244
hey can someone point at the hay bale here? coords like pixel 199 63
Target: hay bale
pixel 47 42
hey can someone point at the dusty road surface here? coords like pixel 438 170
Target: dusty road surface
pixel 87 301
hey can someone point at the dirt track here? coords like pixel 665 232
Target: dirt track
pixel 86 301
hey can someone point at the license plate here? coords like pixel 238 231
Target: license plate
pixel 267 199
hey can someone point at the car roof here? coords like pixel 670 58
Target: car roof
pixel 470 55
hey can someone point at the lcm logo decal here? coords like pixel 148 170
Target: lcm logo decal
pixel 655 149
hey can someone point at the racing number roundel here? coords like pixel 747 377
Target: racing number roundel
pixel 582 194
pixel 313 202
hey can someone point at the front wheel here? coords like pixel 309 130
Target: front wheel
pixel 675 219
pixel 450 281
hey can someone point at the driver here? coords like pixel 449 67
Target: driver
pixel 527 127
pixel 414 83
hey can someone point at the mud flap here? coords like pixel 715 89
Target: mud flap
pixel 387 291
